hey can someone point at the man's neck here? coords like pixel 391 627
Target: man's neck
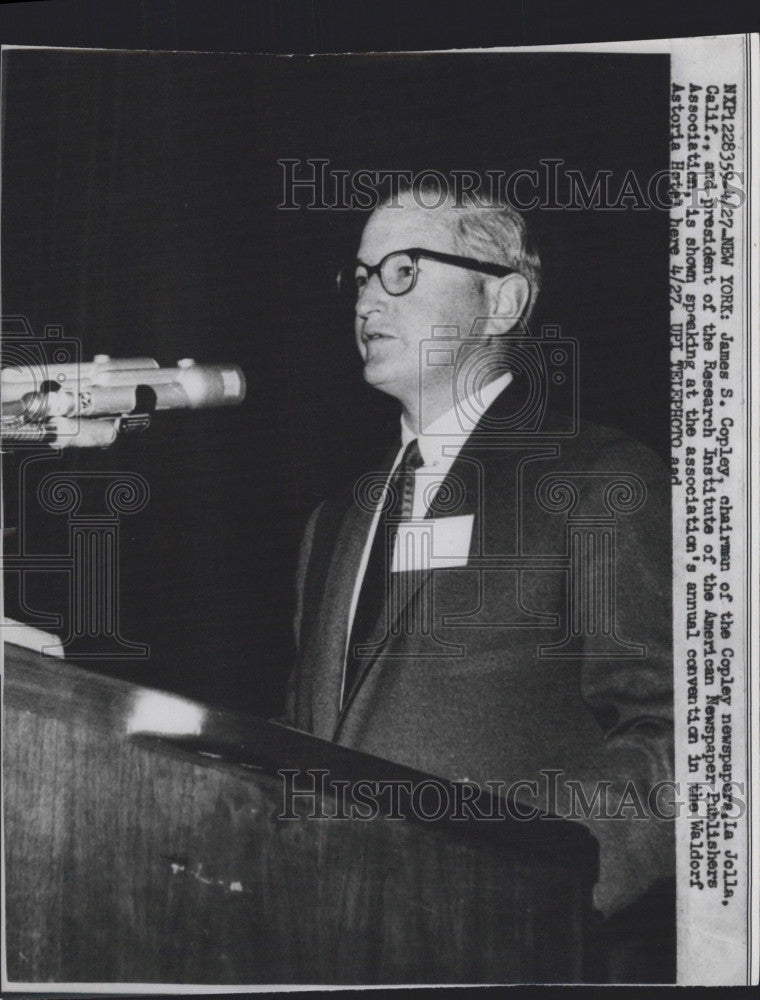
pixel 420 410
pixel 418 419
pixel 410 415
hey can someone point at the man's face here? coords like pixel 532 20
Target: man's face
pixel 389 329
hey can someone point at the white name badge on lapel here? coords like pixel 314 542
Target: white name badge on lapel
pixel 434 543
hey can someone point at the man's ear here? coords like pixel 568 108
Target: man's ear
pixel 508 298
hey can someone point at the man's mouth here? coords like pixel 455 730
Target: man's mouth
pixel 368 337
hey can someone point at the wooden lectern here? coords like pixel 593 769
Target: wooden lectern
pixel 145 843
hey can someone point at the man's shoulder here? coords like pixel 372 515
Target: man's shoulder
pixel 578 444
pixel 590 447
pixel 596 446
pixel 610 471
pixel 363 486
pixel 597 464
pixel 358 493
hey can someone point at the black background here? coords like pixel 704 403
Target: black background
pixel 308 26
pixel 139 212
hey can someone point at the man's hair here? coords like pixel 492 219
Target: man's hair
pixel 485 229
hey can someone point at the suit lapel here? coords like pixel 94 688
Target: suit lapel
pixel 331 631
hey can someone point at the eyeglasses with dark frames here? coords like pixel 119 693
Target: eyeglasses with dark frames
pixel 398 270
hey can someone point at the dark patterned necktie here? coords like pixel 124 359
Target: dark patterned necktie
pixel 375 590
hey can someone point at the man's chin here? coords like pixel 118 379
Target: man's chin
pixel 379 377
pixel 375 373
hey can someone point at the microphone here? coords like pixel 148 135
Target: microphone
pixel 129 390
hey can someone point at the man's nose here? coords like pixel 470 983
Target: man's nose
pixel 370 297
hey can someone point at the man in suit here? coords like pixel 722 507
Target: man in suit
pixel 493 604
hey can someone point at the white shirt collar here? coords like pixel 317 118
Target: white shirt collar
pixel 441 441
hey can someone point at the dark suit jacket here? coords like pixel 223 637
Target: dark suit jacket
pixel 484 698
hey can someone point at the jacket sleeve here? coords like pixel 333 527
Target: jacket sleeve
pixel 632 697
pixel 289 717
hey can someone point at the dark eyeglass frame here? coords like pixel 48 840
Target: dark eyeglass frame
pixel 415 253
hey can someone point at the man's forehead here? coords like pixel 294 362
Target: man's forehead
pixel 403 226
